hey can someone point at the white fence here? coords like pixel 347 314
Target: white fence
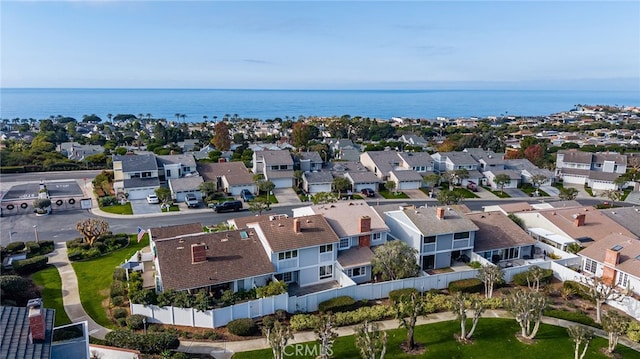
pixel 370 291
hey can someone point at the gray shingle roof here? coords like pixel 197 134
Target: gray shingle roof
pixel 574 156
pixel 14 341
pixel 137 163
pixel 315 231
pixel 141 183
pixel 407 176
pixel 185 183
pixel 186 160
pixel 236 173
pixel 318 177
pixel 282 157
pixel 459 158
pixel 497 231
pixel 426 221
pixel 628 217
pixel 362 177
pixel 416 158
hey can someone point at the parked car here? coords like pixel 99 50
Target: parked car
pixel 228 206
pixel 368 192
pixel 472 186
pixel 191 200
pixel 152 199
pixel 246 195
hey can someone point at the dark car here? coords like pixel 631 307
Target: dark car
pixel 368 192
pixel 246 195
pixel 228 206
pixel 472 186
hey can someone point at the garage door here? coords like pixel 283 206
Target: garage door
pixel 140 193
pixel 409 185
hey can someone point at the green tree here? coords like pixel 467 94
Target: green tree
pixel 259 205
pixel 460 175
pixel 408 308
pixel 370 340
pixel 208 188
pixel 501 180
pixel 568 194
pixel 91 229
pixel 258 178
pixel 462 302
pixel 395 260
pixel 527 308
pixel 490 275
pixel 324 197
pixel 579 335
pixel 221 139
pixel 431 180
pixel 599 292
pixel 340 184
pixel 297 176
pixel 613 196
pixel 326 334
pixel 266 187
pixel 447 197
pixel 390 186
pixel 202 301
pixel 278 337
pixel 301 134
pixel 164 194
pixel 537 181
pixel 615 325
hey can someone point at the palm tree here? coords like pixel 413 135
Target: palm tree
pixel 177 116
pixel 183 116
pixel 205 118
pixel 149 116
pixel 109 116
pixel 140 116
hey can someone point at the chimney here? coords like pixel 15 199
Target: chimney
pixel 36 319
pixel 440 213
pixel 297 225
pixel 578 219
pixel 365 224
pixel 198 253
pixel 611 257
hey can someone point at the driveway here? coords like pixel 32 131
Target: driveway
pixel 140 206
pixel 415 194
pixel 550 190
pixel 515 193
pixel 286 196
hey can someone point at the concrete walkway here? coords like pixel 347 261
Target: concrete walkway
pixel 225 350
pixel 70 292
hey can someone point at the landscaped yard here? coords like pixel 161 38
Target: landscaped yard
pixel 494 338
pixel 172 208
pixel 49 281
pixel 393 195
pixel 465 193
pixel 95 277
pixel 272 198
pixel 119 209
pixel 498 194
pixel 530 190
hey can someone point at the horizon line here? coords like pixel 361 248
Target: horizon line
pixel 318 89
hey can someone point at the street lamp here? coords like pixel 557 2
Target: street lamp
pixel 144 323
pixel 11 236
pixel 35 230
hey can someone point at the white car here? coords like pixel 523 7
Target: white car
pixel 153 199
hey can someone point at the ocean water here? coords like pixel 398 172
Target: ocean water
pixel 268 104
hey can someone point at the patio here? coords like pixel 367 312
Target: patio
pixel 296 290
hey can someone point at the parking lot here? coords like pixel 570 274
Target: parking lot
pixel 30 191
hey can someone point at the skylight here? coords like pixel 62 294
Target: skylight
pixel 616 248
pixel 244 235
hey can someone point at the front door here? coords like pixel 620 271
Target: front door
pixel 364 241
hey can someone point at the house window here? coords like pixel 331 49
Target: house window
pixel 345 243
pixel 287 255
pixel 146 174
pixel 168 173
pixel 283 167
pixel 275 168
pixel 429 239
pixel 590 266
pixel 326 248
pixel 462 235
pixel 135 175
pixel 376 236
pixel 326 272
pixel 623 279
pixel 285 277
pixel 357 272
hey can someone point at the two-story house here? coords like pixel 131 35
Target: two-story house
pixel 359 228
pixel 276 166
pixel 230 177
pixel 343 149
pixel 309 161
pixel 180 175
pixel 135 175
pixel 499 239
pixel 405 169
pixel 358 175
pixel 596 170
pixel 440 235
pixel 187 259
pixel 303 250
pixel 453 161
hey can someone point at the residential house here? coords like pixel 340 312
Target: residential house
pixel 514 178
pixel 405 180
pixel 596 170
pixel 303 250
pixel 276 166
pixel 440 235
pixel 77 152
pixel 309 161
pixel 176 166
pixel 420 162
pixel 357 174
pixel 343 149
pixel 356 237
pixel 487 159
pixel 559 227
pixel 186 258
pixel 499 239
pixel 453 161
pixel 189 145
pixel 615 259
pixel 528 170
pixel 135 175
pixel 179 187
pixel 383 163
pixel 414 140
pixel 628 217
pixel 230 177
pixel 315 182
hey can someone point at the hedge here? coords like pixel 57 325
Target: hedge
pixel 575 317
pixel 151 343
pixel 135 321
pixel 396 295
pixel 521 278
pixel 118 313
pixel 244 327
pixel 14 247
pixel 580 289
pixel 338 304
pixel 30 265
pixel 310 321
pixel 471 285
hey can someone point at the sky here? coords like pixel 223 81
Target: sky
pixel 320 44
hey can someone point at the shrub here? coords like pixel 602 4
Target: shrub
pixel 120 274
pixel 100 246
pixel 396 295
pixel 300 322
pixel 152 343
pixel 33 249
pixel 281 314
pixel 242 327
pixel 117 289
pixel 13 287
pixel 118 313
pixel 493 303
pixel 576 317
pixel 338 304
pixel 267 321
pixel 135 321
pixel 436 302
pixel 274 288
pixel 30 265
pixel 578 288
pixel 633 331
pixel 122 322
pixel 475 264
pixel 15 247
pixel 117 301
pixel 471 285
pixel 521 278
pixel 373 313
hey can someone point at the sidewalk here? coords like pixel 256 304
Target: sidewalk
pixel 70 292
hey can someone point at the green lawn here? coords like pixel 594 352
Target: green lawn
pixel 465 193
pixel 494 338
pixel 119 209
pixel 272 199
pixel 95 277
pixel 498 194
pixel 625 194
pixel 49 281
pixel 530 190
pixel 172 208
pixel 393 195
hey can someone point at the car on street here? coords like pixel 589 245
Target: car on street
pixel 228 206
pixel 191 201
pixel 246 195
pixel 152 199
pixel 368 192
